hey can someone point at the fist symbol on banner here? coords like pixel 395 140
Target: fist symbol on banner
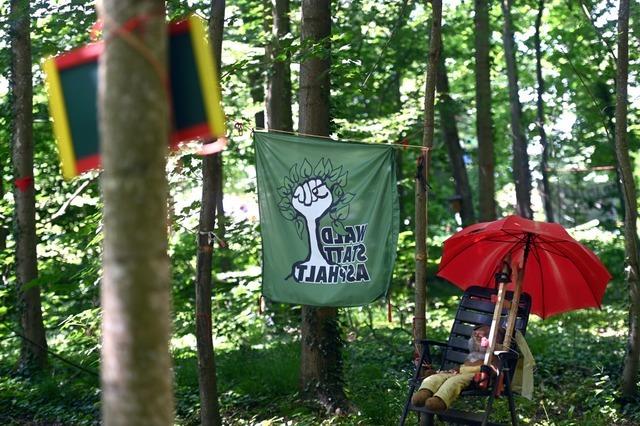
pixel 312 198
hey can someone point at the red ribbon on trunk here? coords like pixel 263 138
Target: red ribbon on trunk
pixel 24 183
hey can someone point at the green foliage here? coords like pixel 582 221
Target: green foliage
pixel 58 396
pixel 378 61
pixel 578 358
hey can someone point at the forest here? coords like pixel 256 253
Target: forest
pixel 136 292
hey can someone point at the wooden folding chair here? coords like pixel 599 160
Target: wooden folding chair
pixel 476 308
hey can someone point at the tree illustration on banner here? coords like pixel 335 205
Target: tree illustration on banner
pixel 308 194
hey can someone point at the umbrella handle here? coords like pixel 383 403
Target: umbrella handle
pixel 504 275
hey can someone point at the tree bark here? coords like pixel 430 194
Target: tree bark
pixel 135 294
pixel 314 71
pixel 256 75
pixel 321 358
pixel 544 163
pixel 632 357
pixel 446 108
pixel 3 228
pixel 33 351
pixel 484 121
pixel 279 115
pixel 209 210
pixel 521 174
pixel 256 82
pixel 421 195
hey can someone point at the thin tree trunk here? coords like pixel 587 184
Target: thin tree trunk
pixel 544 163
pixel 446 108
pixel 421 195
pixel 632 357
pixel 279 115
pixel 3 228
pixel 521 174
pixel 211 194
pixel 484 121
pixel 256 82
pixel 401 191
pixel 33 352
pixel 135 294
pixel 256 75
pixel 321 358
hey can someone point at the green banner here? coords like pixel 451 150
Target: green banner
pixel 328 218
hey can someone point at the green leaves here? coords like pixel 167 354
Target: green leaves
pixel 306 170
pixel 300 227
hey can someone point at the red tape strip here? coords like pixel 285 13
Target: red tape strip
pixel 24 183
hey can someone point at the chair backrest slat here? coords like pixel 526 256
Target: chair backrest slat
pixel 459 342
pixel 454 358
pixel 477 304
pixel 474 318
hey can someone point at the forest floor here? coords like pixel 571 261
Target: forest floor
pixel 578 364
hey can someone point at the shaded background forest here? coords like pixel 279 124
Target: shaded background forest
pixel 378 62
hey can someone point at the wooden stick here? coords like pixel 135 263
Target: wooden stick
pixel 517 291
pixel 495 323
pixel 513 312
pixel 497 312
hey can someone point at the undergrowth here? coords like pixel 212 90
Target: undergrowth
pixel 578 362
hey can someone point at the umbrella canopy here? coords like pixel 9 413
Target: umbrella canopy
pixel 560 274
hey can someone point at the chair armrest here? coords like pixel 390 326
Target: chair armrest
pixel 506 356
pixel 433 343
pixel 427 344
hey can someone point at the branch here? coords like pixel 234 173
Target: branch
pixel 587 14
pixel 67 203
pixel 591 95
pixel 399 20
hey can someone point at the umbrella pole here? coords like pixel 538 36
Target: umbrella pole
pixel 513 312
pixel 515 300
pixel 495 322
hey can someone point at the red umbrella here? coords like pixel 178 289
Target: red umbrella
pixel 559 273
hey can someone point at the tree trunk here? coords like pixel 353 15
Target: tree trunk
pixel 421 195
pixel 256 74
pixel 3 228
pixel 33 352
pixel 321 359
pixel 211 195
pixel 447 109
pixel 484 121
pixel 256 82
pixel 279 115
pixel 135 296
pixel 632 357
pixel 521 174
pixel 544 163
pixel 401 191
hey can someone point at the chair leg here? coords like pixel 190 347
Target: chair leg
pixel 512 405
pixel 430 419
pixel 488 408
pixel 427 419
pixel 405 412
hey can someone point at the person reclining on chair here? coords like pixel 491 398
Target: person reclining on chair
pixel 438 391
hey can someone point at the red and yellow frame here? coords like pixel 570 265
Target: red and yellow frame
pixel 209 83
pixel 71 166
